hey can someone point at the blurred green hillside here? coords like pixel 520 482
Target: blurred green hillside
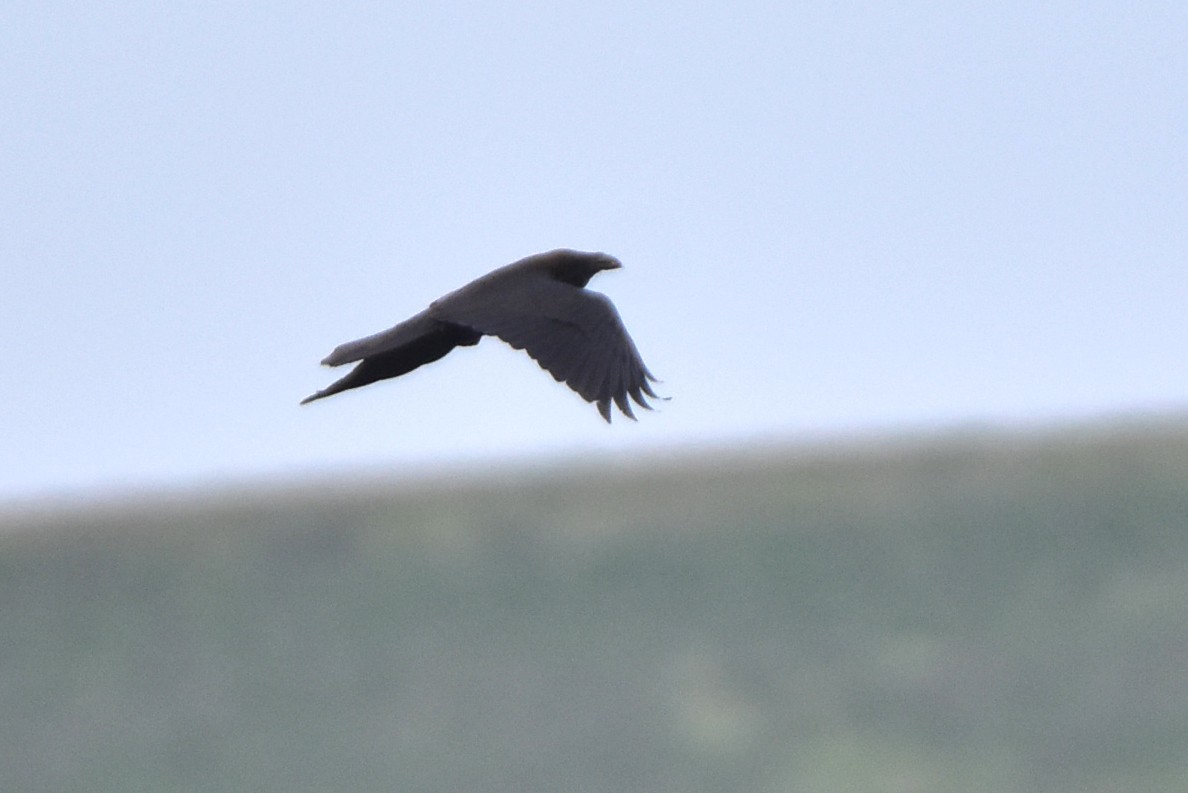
pixel 990 612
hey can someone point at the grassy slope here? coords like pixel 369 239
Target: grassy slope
pixel 981 614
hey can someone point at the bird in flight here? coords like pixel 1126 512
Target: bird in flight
pixel 538 304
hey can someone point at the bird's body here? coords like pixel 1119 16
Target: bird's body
pixel 539 305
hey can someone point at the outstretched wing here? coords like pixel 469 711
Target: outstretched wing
pixel 574 334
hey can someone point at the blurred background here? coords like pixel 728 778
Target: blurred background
pixel 914 277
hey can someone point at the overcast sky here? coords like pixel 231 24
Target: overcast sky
pixel 834 218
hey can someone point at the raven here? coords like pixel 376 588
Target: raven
pixel 539 305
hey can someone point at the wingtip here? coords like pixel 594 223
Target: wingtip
pixel 624 406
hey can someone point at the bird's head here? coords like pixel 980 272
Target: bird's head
pixel 577 267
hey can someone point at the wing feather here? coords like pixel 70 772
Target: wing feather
pixel 574 334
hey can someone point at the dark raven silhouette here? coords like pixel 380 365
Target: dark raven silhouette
pixel 539 305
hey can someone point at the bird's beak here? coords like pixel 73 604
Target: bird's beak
pixel 611 263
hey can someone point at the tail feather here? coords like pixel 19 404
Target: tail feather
pixel 380 360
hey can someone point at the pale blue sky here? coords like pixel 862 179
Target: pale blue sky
pixel 834 218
